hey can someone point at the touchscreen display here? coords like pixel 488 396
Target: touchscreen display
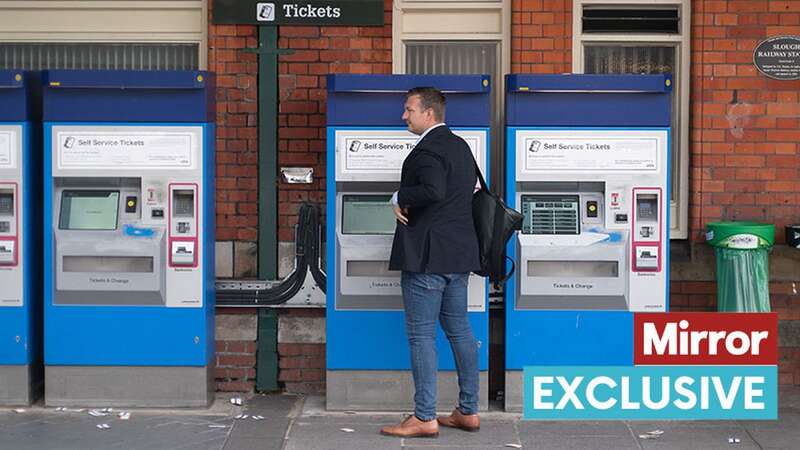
pixel 89 210
pixel 550 214
pixel 367 214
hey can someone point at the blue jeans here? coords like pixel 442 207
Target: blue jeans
pixel 427 296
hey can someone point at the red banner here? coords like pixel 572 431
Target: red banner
pixel 705 338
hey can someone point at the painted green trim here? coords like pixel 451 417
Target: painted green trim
pixel 267 357
pixel 267 153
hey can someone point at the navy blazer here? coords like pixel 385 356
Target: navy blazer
pixel 436 185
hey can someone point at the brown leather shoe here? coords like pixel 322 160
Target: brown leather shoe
pixel 413 427
pixel 461 421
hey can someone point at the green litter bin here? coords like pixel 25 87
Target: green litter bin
pixel 742 250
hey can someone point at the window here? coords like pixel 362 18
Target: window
pixel 450 37
pixel 104 34
pixel 39 56
pixel 633 36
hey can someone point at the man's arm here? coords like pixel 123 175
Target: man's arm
pixel 430 182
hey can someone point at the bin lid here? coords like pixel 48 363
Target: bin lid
pixel 742 235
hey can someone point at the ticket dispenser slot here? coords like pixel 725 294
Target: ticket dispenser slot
pixel 8 225
pixel 646 230
pixel 183 225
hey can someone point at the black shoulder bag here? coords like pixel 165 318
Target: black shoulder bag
pixel 494 224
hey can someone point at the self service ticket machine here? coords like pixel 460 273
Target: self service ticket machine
pixel 129 238
pixel 368 360
pixel 20 243
pixel 588 166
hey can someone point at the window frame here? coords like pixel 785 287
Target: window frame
pixel 679 209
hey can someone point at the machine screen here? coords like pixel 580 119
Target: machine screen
pixel 647 207
pixel 6 203
pixel 183 203
pixel 550 214
pixel 89 210
pixel 367 214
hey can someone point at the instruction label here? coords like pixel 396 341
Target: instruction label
pixel 590 150
pixel 8 140
pixel 361 153
pixel 115 150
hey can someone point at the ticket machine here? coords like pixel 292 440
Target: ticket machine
pixel 129 238
pixel 588 166
pixel 368 362
pixel 20 245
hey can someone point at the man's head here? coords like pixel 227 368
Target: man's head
pixel 424 108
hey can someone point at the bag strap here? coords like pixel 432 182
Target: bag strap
pixel 510 272
pixel 480 175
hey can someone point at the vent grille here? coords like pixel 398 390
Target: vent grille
pixel 620 20
pixel 99 56
pixel 550 214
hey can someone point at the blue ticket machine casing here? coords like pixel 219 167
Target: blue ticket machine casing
pixel 368 362
pixel 20 246
pixel 129 238
pixel 588 166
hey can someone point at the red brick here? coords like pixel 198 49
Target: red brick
pixel 236 386
pixel 225 360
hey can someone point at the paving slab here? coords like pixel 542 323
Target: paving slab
pixel 152 429
pixel 579 442
pixel 245 443
pixel 705 434
pixel 782 433
pixel 573 428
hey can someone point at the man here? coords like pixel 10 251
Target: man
pixel 435 247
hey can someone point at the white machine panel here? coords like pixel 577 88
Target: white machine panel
pixel 157 171
pixel 11 216
pixel 596 218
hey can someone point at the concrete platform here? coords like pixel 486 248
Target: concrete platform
pixel 304 423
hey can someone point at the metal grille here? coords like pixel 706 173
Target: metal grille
pixel 547 214
pixel 464 58
pixel 117 56
pixel 643 59
pixel 621 20
pixel 451 58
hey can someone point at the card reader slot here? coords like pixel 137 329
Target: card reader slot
pixel 108 264
pixel 573 269
pixel 370 269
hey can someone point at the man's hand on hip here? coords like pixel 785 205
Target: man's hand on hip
pixel 401 214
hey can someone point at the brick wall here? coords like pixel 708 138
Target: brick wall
pixel 236 347
pixel 541 36
pixel 744 136
pixel 301 350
